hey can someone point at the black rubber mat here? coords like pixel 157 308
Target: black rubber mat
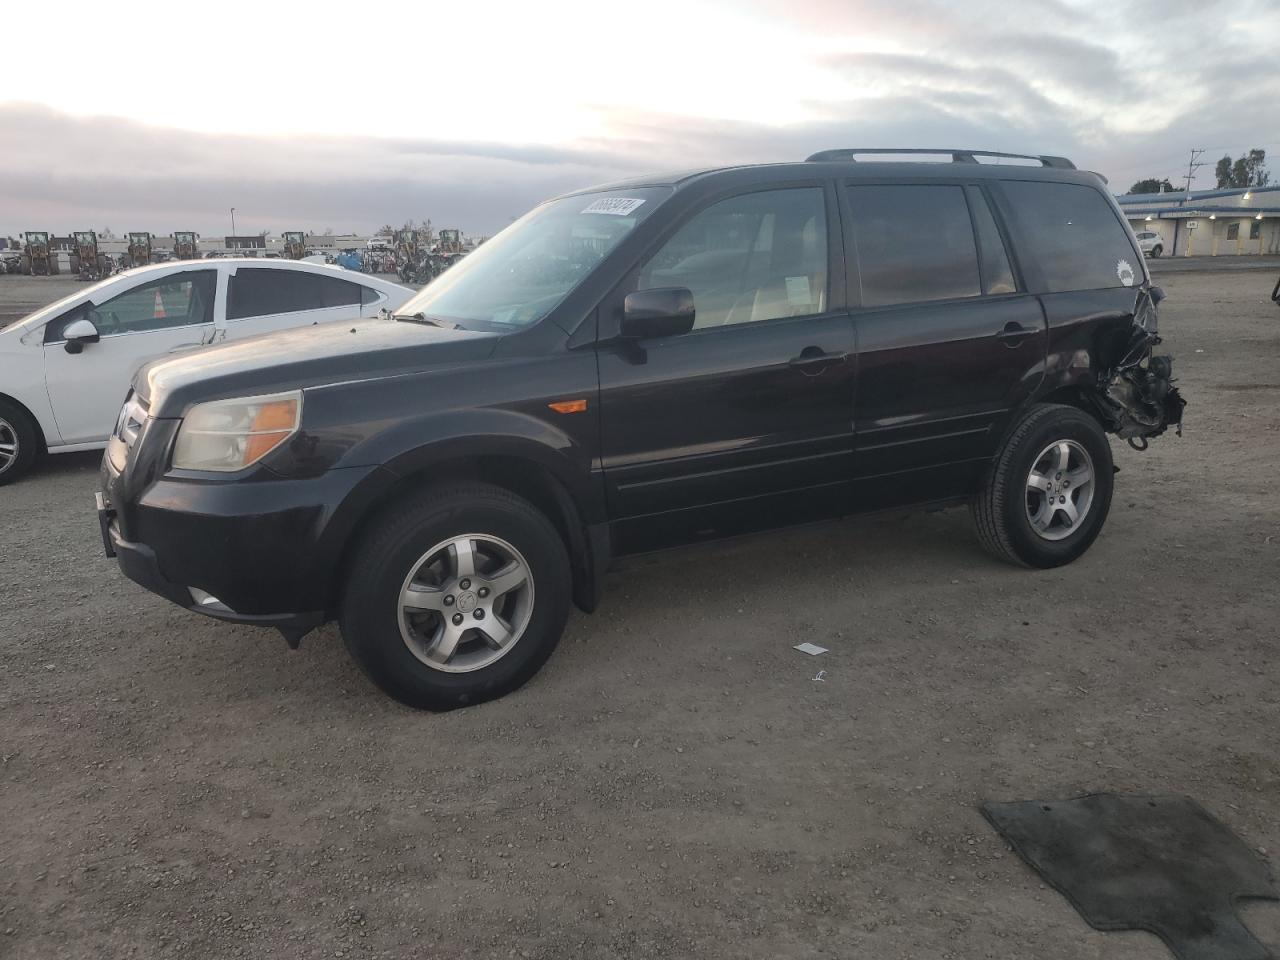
pixel 1160 864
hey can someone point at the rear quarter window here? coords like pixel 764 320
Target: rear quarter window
pixel 1074 235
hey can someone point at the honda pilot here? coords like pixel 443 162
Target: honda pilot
pixel 639 366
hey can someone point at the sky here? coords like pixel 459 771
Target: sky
pixel 161 116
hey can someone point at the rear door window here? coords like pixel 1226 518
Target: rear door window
pixel 915 242
pixel 1074 235
pixel 258 292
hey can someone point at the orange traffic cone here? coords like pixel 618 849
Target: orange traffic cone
pixel 159 311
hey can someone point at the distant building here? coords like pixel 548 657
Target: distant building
pixel 1229 222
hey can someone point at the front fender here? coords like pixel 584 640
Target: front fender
pixel 493 433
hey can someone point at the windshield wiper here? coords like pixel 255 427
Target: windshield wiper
pixel 423 318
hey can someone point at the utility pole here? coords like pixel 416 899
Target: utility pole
pixel 1193 166
pixel 233 221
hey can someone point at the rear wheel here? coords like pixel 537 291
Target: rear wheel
pixel 1046 496
pixel 456 597
pixel 19 442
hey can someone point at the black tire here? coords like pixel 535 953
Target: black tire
pixel 17 422
pixel 1157 250
pixel 369 615
pixel 999 508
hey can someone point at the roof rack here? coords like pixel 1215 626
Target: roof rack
pixel 957 156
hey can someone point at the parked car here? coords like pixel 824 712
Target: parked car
pixel 65 369
pixel 640 366
pixel 1151 244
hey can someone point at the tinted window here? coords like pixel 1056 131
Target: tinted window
pixel 368 295
pixel 256 292
pixel 914 242
pixel 997 275
pixel 760 256
pixel 178 300
pixel 1074 235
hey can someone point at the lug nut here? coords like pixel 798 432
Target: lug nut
pixel 479 614
pixel 464 584
pixel 457 619
pixel 482 592
pixel 448 600
pixel 1062 499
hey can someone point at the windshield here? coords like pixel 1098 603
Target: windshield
pixel 516 278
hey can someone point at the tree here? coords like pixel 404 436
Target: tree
pixel 1249 170
pixel 1152 185
pixel 1223 172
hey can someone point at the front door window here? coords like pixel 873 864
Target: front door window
pixel 177 300
pixel 759 256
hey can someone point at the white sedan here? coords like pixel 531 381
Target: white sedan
pixel 65 369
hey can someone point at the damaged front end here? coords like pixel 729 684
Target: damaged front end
pixel 1136 396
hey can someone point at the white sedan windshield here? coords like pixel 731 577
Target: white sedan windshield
pixel 516 278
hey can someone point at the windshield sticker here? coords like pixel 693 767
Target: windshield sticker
pixel 1124 272
pixel 617 206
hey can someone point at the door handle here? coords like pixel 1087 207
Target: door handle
pixel 814 360
pixel 1014 333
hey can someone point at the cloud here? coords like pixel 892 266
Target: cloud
pixel 78 172
pixel 1125 89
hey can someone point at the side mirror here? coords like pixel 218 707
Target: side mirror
pixel 660 312
pixel 1157 294
pixel 78 333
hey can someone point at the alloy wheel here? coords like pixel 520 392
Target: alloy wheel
pixel 8 445
pixel 1059 489
pixel 466 603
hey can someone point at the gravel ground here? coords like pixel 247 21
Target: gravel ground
pixel 676 782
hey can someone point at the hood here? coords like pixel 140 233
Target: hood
pixel 304 357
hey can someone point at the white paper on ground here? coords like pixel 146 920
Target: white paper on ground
pixel 810 648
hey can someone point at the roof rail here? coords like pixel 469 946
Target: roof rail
pixel 957 156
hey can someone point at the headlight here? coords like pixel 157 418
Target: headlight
pixel 232 434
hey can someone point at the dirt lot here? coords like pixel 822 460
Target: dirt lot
pixel 675 783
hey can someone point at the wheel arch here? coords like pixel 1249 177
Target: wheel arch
pixel 35 420
pixel 514 465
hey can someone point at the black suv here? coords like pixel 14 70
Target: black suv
pixel 643 365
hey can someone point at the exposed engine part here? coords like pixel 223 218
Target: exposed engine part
pixel 1137 397
pixel 1142 401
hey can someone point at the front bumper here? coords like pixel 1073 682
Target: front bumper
pixel 138 562
pixel 263 551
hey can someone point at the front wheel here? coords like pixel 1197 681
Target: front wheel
pixel 19 442
pixel 456 597
pixel 1156 251
pixel 1045 498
